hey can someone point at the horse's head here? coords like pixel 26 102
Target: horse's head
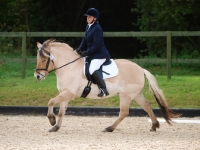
pixel 44 63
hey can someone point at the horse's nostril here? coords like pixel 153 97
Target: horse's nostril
pixel 38 77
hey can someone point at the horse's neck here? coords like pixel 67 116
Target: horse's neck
pixel 63 55
pixel 70 75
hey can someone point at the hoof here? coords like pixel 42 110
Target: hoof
pixel 52 120
pixel 153 129
pixel 108 129
pixel 154 126
pixel 54 129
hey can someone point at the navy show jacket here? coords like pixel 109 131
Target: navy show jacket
pixel 93 43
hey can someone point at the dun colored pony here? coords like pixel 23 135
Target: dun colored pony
pixel 128 84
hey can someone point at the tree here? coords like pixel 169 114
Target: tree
pixel 67 16
pixel 169 15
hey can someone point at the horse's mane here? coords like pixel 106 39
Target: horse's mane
pixel 54 42
pixel 62 45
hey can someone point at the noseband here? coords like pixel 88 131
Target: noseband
pixel 45 69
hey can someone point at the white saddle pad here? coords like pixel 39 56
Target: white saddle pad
pixel 111 69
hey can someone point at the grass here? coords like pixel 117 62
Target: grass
pixel 182 91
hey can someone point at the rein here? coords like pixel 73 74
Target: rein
pixel 64 65
pixel 47 65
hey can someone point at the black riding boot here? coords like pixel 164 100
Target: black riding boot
pixel 100 82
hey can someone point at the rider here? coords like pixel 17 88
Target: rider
pixel 93 46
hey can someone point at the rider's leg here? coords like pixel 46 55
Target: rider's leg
pixel 100 82
pixel 94 66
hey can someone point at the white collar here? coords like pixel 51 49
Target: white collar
pixel 90 24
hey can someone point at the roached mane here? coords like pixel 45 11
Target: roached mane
pixel 44 48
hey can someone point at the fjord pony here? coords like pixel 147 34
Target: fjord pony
pixel 128 84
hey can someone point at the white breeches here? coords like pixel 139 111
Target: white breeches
pixel 95 65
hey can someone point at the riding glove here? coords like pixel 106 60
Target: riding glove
pixel 78 50
pixel 83 54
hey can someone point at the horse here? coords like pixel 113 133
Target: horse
pixel 128 84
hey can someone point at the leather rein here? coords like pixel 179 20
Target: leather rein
pixel 48 62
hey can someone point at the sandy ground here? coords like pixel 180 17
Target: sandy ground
pixel 84 133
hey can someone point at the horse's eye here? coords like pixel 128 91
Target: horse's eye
pixel 44 60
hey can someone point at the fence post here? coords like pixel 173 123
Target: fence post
pixel 169 58
pixel 23 54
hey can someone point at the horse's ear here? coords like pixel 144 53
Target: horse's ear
pixel 39 45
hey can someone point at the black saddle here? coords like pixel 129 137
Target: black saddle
pixel 87 65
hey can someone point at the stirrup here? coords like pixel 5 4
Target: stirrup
pixel 103 92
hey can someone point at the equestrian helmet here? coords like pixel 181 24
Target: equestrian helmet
pixel 92 12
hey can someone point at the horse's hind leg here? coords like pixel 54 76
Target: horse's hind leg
pixel 124 111
pixel 146 106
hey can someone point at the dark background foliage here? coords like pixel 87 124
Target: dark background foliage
pixel 115 15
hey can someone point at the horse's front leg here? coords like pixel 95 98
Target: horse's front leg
pixel 62 110
pixel 66 96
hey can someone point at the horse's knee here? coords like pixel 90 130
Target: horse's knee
pixel 51 103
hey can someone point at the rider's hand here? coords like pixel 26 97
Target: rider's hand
pixel 78 50
pixel 83 54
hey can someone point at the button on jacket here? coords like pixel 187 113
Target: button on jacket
pixel 93 43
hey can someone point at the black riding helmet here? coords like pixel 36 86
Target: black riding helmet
pixel 92 12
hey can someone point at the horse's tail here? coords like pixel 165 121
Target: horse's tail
pixel 156 91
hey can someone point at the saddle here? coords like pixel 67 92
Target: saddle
pixel 108 69
pixel 87 65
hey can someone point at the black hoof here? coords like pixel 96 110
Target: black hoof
pixel 54 129
pixel 108 129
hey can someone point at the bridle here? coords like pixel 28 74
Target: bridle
pixel 48 62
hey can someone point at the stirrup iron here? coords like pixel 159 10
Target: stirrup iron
pixel 103 92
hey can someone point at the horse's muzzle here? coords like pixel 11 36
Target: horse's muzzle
pixel 39 76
